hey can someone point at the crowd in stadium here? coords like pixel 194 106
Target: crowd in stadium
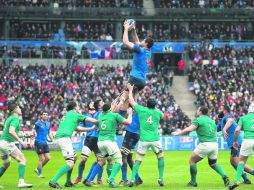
pixel 215 83
pixel 41 88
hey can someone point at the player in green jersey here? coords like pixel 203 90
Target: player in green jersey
pixel 149 119
pixel 108 124
pixel 68 125
pixel 208 146
pixel 246 123
pixel 8 147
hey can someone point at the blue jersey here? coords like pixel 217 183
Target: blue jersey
pixel 95 132
pixel 42 130
pixel 139 65
pixel 134 126
pixel 230 130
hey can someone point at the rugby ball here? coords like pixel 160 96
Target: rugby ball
pixel 131 23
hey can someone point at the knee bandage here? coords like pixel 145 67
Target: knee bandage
pixel 139 157
pixel 160 154
pixel 125 151
pixel 86 152
pixel 70 160
pixel 117 157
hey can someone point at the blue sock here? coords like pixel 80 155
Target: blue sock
pixel 137 176
pixel 81 168
pixel 39 171
pixel 244 176
pixel 252 173
pixel 95 171
pixel 90 171
pixel 100 174
pixel 124 172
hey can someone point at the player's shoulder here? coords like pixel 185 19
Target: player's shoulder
pixel 38 123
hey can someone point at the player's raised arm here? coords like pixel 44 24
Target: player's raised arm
pixel 125 35
pixel 129 118
pixel 135 35
pixel 92 120
pixel 131 99
pixel 185 131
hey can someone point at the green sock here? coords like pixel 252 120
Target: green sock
pixel 239 171
pixel 21 171
pixel 115 170
pixel 193 172
pixel 109 169
pixel 134 170
pixel 219 170
pixel 161 168
pixel 68 176
pixel 60 172
pixel 2 170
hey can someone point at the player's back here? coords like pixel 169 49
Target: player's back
pixel 134 126
pixel 95 132
pixel 206 129
pixel 12 120
pixel 42 129
pixel 149 122
pixel 247 123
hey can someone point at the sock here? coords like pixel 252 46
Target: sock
pixel 21 170
pixel 137 177
pixel 239 172
pixel 90 171
pixel 161 168
pixel 219 170
pixel 244 176
pixel 193 172
pixel 252 173
pixel 81 168
pixel 60 172
pixel 95 171
pixel 68 176
pixel 100 174
pixel 134 170
pixel 115 170
pixel 109 169
pixel 124 172
pixel 39 171
pixel 2 170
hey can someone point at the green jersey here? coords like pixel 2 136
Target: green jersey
pixel 206 129
pixel 13 121
pixel 69 123
pixel 149 120
pixel 247 123
pixel 108 123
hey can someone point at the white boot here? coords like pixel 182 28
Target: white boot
pixel 23 184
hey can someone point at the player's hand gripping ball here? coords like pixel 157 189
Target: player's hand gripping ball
pixel 131 23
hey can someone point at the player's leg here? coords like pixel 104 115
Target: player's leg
pixel 212 149
pixel 157 149
pixel 38 170
pixel 6 163
pixel 99 176
pixel 234 160
pixel 19 156
pixel 246 151
pixel 142 148
pixel 65 145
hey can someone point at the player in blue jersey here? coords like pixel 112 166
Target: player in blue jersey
pixel 40 131
pixel 90 144
pixel 142 55
pixel 228 126
pixel 131 138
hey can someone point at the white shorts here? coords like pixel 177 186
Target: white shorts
pixel 209 149
pixel 144 146
pixel 108 148
pixel 6 148
pixel 66 147
pixel 247 147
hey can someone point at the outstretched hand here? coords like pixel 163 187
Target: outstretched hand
pixel 126 25
pixel 130 87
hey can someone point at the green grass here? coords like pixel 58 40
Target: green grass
pixel 176 173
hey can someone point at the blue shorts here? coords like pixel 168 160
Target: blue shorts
pixel 41 148
pixel 91 143
pixel 234 152
pixel 129 142
pixel 139 84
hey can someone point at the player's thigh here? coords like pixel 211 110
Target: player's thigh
pixel 143 147
pixel 18 155
pixel 108 148
pixel 247 147
pixel 206 149
pixel 156 147
pixel 66 147
pixel 6 148
pixel 129 143
pixel 213 154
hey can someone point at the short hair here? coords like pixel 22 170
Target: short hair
pixel 227 108
pixel 71 105
pixel 151 103
pixel 149 42
pixel 12 106
pixel 96 104
pixel 251 108
pixel 203 110
pixel 43 112
pixel 106 107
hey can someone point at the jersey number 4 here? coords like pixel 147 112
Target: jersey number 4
pixel 150 120
pixel 252 121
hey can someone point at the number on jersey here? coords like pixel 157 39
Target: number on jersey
pixel 150 120
pixel 103 125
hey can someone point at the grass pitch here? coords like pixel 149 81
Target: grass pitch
pixel 176 173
